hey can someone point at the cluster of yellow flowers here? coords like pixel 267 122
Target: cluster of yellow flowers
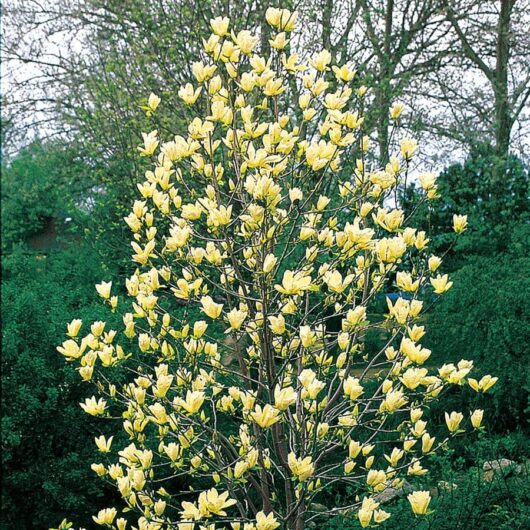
pixel 270 217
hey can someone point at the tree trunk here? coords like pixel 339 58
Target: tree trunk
pixel 384 89
pixel 327 8
pixel 503 119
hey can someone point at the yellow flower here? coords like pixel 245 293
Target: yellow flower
pixel 71 350
pixel 427 441
pixel 150 143
pixel 279 42
pixel 484 384
pixel 427 180
pixel 284 398
pixel 321 61
pixel 412 378
pixel 153 102
pixel 105 517
pixel 375 478
pixel 389 250
pixel 365 516
pixel 459 223
pixel 74 327
pixel 236 318
pixel 269 263
pixel 277 324
pixel 394 400
pixel 266 522
pixel 94 407
pixel 396 110
pixel 294 283
pixel 343 73
pixel 302 468
pixel 476 418
pixel 419 502
pixel 441 284
pixel 220 25
pixel 408 148
pixel 266 416
pixel 434 263
pixel 201 72
pixel 210 308
pixel 188 94
pixel 274 87
pixel 335 281
pixel 282 19
pixel 193 402
pixel 352 388
pixel 99 469
pixel 395 456
pixel 404 281
pixel 103 289
pixel 103 444
pixel 210 502
pixel 415 469
pixel 453 420
pixel 246 41
pixel 380 516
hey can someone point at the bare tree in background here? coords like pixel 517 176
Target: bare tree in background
pixel 487 88
pixel 462 64
pixel 79 66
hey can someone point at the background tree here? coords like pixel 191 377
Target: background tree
pixel 486 88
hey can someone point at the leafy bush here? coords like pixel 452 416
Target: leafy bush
pixel 493 193
pixel 33 189
pixel 464 496
pixel 45 435
pixel 486 317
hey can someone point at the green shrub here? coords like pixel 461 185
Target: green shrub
pixel 46 438
pixel 486 317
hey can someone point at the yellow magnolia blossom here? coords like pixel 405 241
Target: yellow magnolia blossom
pixel 211 308
pixel 441 284
pixel 93 406
pixel 192 403
pixel 266 416
pixel 266 522
pixel 282 19
pixel 301 468
pixel 419 502
pixel 284 398
pixel 294 283
pixel 150 143
pixel 484 384
pixel 459 223
pixel 103 289
pixel 396 110
pixel 219 25
pixel 476 418
pixel 188 94
pixel 236 318
pixel 105 517
pixel 352 388
pixel 453 420
pixel 103 444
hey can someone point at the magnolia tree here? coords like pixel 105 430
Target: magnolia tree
pixel 269 218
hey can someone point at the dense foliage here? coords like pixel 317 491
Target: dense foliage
pixel 45 436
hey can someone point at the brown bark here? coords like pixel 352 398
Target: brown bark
pixel 503 119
